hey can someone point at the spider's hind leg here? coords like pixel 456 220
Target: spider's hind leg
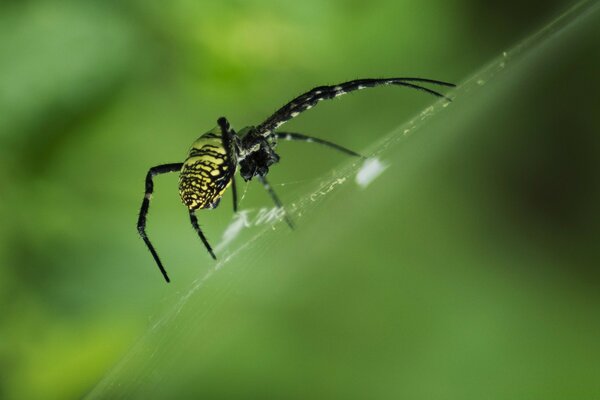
pixel 234 194
pixel 276 200
pixel 196 226
pixel 141 224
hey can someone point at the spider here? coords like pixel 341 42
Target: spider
pixel 215 156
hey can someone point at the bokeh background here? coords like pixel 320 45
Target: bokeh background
pixel 468 270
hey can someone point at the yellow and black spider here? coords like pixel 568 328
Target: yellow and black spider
pixel 215 156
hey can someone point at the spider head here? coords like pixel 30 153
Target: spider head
pixel 260 155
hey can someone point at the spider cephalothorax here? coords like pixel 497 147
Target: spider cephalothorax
pixel 210 166
pixel 259 156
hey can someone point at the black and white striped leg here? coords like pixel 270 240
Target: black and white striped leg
pixel 141 224
pixel 309 99
pixel 303 138
pixel 276 200
pixel 196 226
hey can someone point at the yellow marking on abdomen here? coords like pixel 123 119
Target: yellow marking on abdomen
pixel 205 174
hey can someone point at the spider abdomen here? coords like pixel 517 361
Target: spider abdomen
pixel 206 173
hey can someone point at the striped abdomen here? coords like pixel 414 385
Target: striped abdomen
pixel 206 172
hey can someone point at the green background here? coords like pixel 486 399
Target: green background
pixel 469 269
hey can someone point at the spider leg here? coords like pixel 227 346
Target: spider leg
pixel 276 200
pixel 141 224
pixel 229 138
pixel 196 226
pixel 234 193
pixel 303 138
pixel 309 99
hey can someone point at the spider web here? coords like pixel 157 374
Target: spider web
pixel 260 230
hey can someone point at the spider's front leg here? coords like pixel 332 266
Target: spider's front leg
pixel 309 99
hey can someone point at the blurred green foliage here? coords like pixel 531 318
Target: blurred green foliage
pixel 468 270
